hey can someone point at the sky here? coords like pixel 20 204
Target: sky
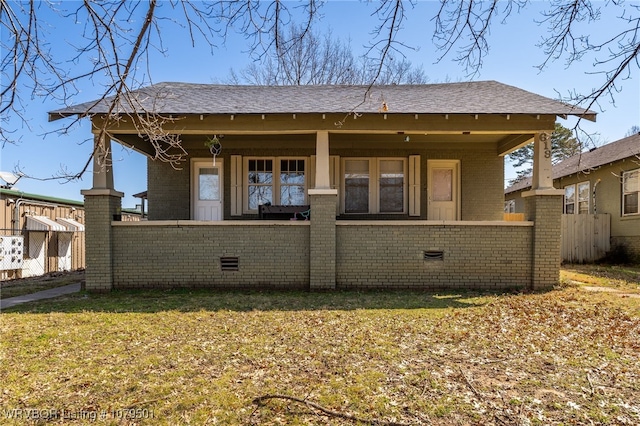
pixel 512 58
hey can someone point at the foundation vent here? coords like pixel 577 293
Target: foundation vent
pixel 433 255
pixel 229 264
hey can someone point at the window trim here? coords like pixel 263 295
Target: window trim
pixel 623 192
pixel 275 185
pixel 374 184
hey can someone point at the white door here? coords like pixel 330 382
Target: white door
pixel 443 181
pixel 64 250
pixel 207 190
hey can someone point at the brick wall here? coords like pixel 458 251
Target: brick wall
pixel 177 254
pixel 99 211
pixel 168 191
pixel 390 256
pixel 322 267
pixel 278 256
pixel 545 210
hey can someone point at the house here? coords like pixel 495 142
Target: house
pixel 605 179
pixel 403 183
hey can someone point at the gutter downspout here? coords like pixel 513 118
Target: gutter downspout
pixel 595 185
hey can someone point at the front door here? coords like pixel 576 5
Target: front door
pixel 443 182
pixel 207 190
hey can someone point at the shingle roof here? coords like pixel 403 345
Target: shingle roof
pixel 481 97
pixel 606 154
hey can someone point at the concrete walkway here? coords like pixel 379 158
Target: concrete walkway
pixel 44 294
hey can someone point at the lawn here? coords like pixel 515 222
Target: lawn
pixel 568 356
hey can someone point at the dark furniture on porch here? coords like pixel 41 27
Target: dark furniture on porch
pixel 272 212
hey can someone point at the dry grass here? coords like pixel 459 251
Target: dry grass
pixel 562 357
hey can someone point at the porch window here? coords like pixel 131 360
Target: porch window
pixel 356 186
pixel 630 191
pixel 292 182
pixel 391 186
pixel 276 181
pixel 260 178
pixel 375 185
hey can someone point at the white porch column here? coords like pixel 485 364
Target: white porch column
pixel 542 167
pixel 102 163
pixel 322 160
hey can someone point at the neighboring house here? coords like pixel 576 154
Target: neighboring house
pixel 403 184
pixel 41 234
pixel 605 179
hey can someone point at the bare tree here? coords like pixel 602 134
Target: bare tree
pixel 119 35
pixel 634 130
pixel 464 26
pixel 324 59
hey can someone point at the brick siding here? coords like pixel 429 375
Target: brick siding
pixel 177 254
pixel 545 210
pixel 388 256
pixel 275 255
pixel 99 211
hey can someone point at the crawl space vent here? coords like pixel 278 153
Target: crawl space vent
pixel 229 264
pixel 433 255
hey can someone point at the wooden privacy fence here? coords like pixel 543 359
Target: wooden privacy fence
pixel 585 237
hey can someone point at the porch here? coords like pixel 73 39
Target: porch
pixel 408 196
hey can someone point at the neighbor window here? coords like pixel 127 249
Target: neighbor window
pixel 569 199
pixel 510 206
pixel 630 190
pixel 375 185
pixel 275 181
pixel 576 198
pixel 583 197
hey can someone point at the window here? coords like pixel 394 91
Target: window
pixel 375 185
pixel 356 186
pixel 391 186
pixel 260 188
pixel 275 181
pixel 569 199
pixel 583 198
pixel 576 198
pixel 630 191
pixel 510 206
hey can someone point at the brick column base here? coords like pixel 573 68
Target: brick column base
pixel 101 205
pixel 322 241
pixel 544 207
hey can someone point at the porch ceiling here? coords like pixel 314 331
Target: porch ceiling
pixel 505 131
pixel 503 142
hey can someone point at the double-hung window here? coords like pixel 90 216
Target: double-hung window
pixel 274 180
pixel 630 192
pixel 569 199
pixel 576 198
pixel 374 185
pixel 583 197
